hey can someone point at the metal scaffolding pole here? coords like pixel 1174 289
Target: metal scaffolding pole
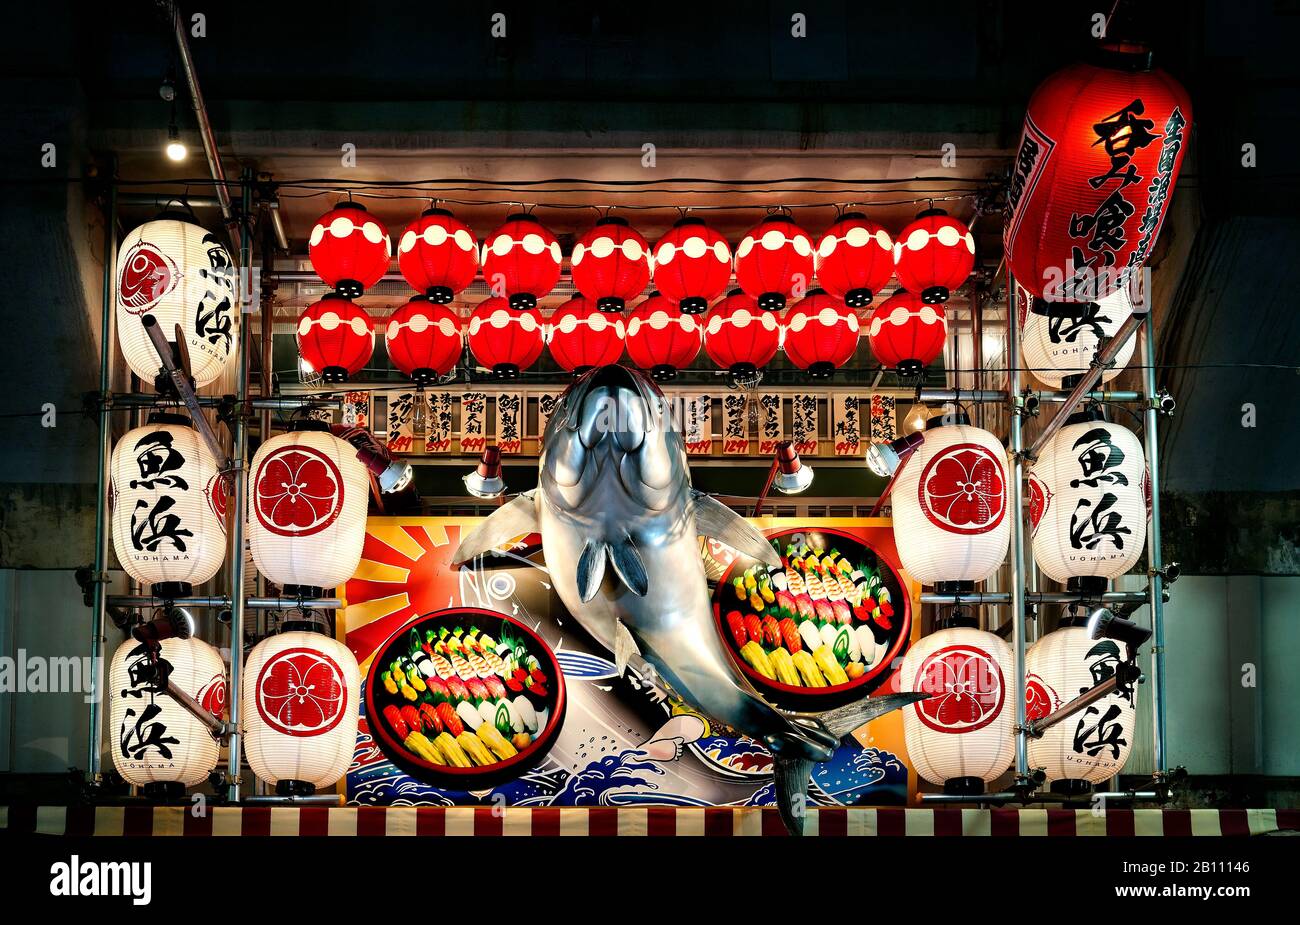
pixel 100 578
pixel 1016 409
pixel 1155 558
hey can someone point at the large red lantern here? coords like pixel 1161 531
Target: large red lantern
pixel 521 261
pixel 739 336
pixel 349 249
pixel 424 339
pixel 662 338
pixel 692 265
pixel 934 255
pixel 336 337
pixel 821 334
pixel 581 336
pixel 438 255
pixel 1097 162
pixel 855 258
pixel 774 261
pixel 505 340
pixel 907 334
pixel 611 264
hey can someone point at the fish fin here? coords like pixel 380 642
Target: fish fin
pixel 508 522
pixel 715 519
pixel 792 776
pixel 627 563
pixel 843 720
pixel 624 647
pixel 591 569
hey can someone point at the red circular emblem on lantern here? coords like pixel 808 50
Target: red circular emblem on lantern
pixel 821 334
pixel 1040 498
pixel 212 695
pixel 963 489
pixel 299 491
pixel 907 334
pixel 1040 699
pixel 349 249
pixel 773 261
pixel 662 338
pixel 739 336
pixel 301 692
pixel 521 260
pixel 146 276
pixel 1097 163
pixel 218 489
pixel 855 259
pixel 580 336
pixel 692 265
pixel 503 339
pixel 611 264
pixel 438 255
pixel 336 337
pixel 934 255
pixel 424 339
pixel 966 689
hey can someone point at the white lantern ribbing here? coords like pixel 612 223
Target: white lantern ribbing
pixel 1089 746
pixel 1062 345
pixel 950 503
pixel 964 735
pixel 1087 503
pixel 179 273
pixel 307 499
pixel 168 504
pixel 299 708
pixel 157 743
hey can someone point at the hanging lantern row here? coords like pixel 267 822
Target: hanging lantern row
pixel 612 263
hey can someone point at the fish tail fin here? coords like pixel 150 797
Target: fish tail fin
pixel 792 776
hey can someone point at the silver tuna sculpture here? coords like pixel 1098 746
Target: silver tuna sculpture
pixel 620 527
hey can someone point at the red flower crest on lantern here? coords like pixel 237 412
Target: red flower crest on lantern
pixel 934 255
pixel 821 334
pixel 521 261
pixel 348 249
pixel 505 340
pixel 692 265
pixel 966 689
pixel 855 259
pixel 336 337
pixel 424 340
pixel 907 334
pixel 661 338
pixel 301 692
pixel 438 255
pixel 580 336
pixel 299 491
pixel 611 264
pixel 146 276
pixel 963 489
pixel 774 261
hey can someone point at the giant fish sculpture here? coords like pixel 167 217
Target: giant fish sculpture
pixel 620 527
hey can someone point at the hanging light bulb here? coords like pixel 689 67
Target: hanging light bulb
pixel 175 149
pixel 917 417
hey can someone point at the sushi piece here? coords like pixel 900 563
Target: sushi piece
pixel 432 722
pixel 842 612
pixel 751 583
pixel 771 632
pixel 810 635
pixel 494 663
pixel 463 669
pixel 766 592
pixel 805 606
pixel 790 635
pixel 450 721
pixel 442 666
pixel 786 673
pixel 813 585
pixel 419 744
pixel 825 613
pixel 830 666
pixel 395 721
pixel 538 695
pixel 739 584
pixel 490 736
pixel 756 602
pixel 854 670
pixel 795 581
pixel 808 670
pixel 848 588
pixel 474 747
pixel 527 715
pixel 521 740
pixel 776 575
pixel 785 603
pixel 480 665
pixel 757 659
pixel 753 628
pixel 736 623
pixel 449 744
pixel 412 717
pixel 468 714
pixel 457 689
pixel 496 688
pixel 478 691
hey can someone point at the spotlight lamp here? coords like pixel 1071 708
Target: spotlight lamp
pixel 792 475
pixel 485 480
pixel 1105 624
pixel 884 458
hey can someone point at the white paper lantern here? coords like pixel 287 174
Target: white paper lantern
pixel 1089 746
pixel 1087 503
pixel 951 497
pixel 1054 348
pixel 965 732
pixel 168 504
pixel 179 273
pixel 299 708
pixel 154 739
pixel 307 500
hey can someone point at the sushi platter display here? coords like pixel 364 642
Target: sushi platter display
pixel 820 630
pixel 465 698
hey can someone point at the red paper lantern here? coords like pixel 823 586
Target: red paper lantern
pixel 611 264
pixel 521 260
pixel 774 259
pixel 739 336
pixel 581 336
pixel 821 334
pixel 505 340
pixel 934 255
pixel 336 337
pixel 1097 162
pixel 907 334
pixel 424 339
pixel 438 255
pixel 855 258
pixel 349 249
pixel 662 338
pixel 692 265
